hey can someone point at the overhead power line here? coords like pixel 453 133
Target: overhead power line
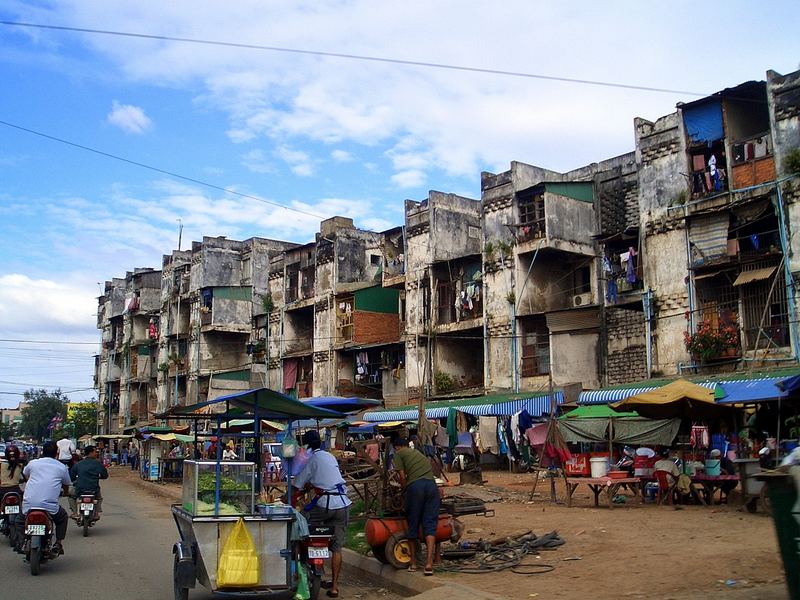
pixel 158 170
pixel 359 57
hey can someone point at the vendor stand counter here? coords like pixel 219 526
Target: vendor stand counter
pixel 203 534
pixel 712 483
pixel 608 485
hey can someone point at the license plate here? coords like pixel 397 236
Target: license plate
pixel 12 510
pixel 88 506
pixel 318 553
pixel 35 530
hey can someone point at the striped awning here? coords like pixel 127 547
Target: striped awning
pixel 535 405
pixel 608 396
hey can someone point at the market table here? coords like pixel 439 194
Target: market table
pixel 608 485
pixel 712 483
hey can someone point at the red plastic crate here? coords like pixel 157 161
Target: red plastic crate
pixel 578 465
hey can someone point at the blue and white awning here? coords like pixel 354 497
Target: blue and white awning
pixel 536 407
pixel 609 396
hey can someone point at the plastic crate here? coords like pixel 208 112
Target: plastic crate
pixel 578 465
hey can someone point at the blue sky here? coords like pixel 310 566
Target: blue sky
pixel 324 135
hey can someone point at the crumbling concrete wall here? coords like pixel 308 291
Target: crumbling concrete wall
pixel 570 224
pixel 661 157
pixel 574 358
pixel 626 354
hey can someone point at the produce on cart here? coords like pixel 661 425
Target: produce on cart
pixel 229 543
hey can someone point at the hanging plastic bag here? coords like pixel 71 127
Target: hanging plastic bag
pixel 303 592
pixel 238 563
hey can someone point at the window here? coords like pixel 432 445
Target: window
pixel 581 282
pixel 535 350
pixel 375 260
pixel 344 319
pixel 531 216
pixel 446 299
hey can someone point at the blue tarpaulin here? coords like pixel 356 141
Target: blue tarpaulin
pixel 704 122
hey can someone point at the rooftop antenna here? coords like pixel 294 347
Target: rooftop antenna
pixel 180 234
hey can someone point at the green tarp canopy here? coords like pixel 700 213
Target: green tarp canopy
pixel 596 411
pixel 593 423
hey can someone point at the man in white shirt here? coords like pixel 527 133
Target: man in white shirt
pixel 46 479
pixel 330 505
pixel 65 450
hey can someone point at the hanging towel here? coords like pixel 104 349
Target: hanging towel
pixel 488 430
pixel 289 373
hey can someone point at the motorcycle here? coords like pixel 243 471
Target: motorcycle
pixel 87 511
pixel 9 513
pixel 314 552
pixel 39 545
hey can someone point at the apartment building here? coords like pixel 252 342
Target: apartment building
pixel 125 373
pixel 334 330
pixel 716 198
pixel 592 277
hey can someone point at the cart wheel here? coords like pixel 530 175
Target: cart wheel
pixel 181 593
pixel 379 552
pixel 398 551
pixel 765 501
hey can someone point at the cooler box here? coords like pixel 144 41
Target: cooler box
pixel 578 465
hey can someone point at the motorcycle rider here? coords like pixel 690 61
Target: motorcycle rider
pixel 65 451
pixel 47 479
pixel 330 505
pixel 86 475
pixel 10 471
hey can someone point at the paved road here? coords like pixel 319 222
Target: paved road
pixel 128 555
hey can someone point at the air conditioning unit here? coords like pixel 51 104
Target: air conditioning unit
pixel 582 299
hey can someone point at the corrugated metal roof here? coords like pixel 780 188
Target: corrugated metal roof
pixel 754 275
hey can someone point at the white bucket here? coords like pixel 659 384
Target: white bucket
pixel 599 466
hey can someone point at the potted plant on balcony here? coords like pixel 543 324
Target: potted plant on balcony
pixel 709 343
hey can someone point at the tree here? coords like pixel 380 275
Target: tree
pixel 42 407
pixel 6 431
pixel 83 419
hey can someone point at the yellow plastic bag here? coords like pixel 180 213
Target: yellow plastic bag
pixel 238 563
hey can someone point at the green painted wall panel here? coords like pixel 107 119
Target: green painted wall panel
pixel 577 190
pixel 143 350
pixel 233 376
pixel 243 293
pixel 377 299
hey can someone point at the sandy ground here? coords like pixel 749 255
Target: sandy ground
pixel 633 551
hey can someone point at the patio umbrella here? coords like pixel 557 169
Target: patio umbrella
pixel 679 399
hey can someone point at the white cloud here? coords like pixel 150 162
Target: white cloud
pixel 129 118
pixel 409 179
pixel 43 306
pixel 341 156
pixel 299 162
pixel 257 161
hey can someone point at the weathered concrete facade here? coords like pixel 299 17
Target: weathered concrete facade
pixel 591 276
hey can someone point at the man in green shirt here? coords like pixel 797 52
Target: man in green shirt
pixel 86 475
pixel 422 499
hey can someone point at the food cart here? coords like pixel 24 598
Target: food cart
pixel 220 497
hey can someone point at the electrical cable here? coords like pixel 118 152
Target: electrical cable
pixel 158 170
pixel 357 57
